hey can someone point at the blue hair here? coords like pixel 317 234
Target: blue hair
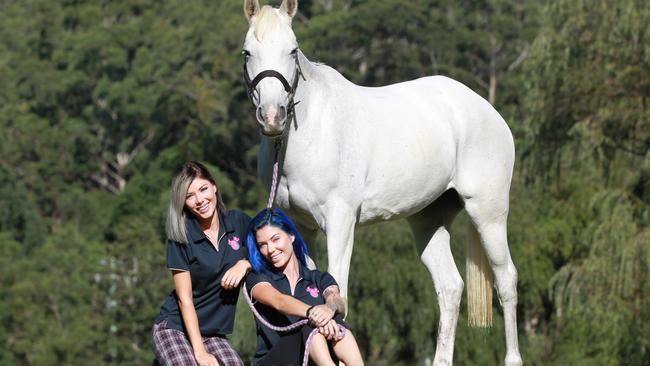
pixel 274 217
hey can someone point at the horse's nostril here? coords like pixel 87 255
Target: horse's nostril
pixel 259 115
pixel 283 113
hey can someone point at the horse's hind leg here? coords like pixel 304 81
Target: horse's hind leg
pixel 489 217
pixel 431 230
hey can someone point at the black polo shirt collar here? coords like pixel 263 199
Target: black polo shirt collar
pixel 277 275
pixel 195 231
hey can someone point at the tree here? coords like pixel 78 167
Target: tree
pixel 587 149
pixel 55 302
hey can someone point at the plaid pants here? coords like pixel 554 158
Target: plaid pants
pixel 173 348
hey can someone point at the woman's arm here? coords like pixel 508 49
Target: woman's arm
pixel 235 274
pixel 334 301
pixel 287 305
pixel 183 285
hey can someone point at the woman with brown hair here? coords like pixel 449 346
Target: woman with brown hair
pixel 207 256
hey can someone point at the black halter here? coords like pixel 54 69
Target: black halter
pixel 254 94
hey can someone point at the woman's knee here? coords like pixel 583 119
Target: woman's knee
pixel 348 351
pixel 171 347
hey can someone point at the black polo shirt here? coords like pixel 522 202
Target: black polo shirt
pixel 309 290
pixel 215 306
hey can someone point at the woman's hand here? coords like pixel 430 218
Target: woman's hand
pixel 320 315
pixel 330 331
pixel 205 359
pixel 235 274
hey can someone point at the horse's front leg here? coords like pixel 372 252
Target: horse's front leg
pixel 339 229
pixel 309 237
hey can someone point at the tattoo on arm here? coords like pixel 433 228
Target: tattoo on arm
pixel 334 300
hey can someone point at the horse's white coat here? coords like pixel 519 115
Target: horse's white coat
pixel 357 155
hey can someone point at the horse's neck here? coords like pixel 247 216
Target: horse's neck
pixel 310 70
pixel 319 82
pixel 321 88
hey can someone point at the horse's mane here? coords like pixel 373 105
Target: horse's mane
pixel 266 21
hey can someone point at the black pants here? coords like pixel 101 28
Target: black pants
pixel 290 350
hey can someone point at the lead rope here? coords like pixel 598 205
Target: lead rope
pixel 274 181
pixel 258 316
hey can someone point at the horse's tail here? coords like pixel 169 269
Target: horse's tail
pixel 479 282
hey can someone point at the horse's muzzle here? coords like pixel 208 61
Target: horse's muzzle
pixel 271 119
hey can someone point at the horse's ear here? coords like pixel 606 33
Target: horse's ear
pixel 290 7
pixel 251 8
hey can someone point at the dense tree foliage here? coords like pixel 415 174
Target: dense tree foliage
pixel 102 100
pixel 586 160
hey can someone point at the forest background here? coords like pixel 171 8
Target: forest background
pixel 101 100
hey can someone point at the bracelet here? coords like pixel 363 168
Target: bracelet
pixel 309 310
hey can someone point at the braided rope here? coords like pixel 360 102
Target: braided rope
pixel 259 317
pixel 305 356
pixel 274 181
pixel 274 184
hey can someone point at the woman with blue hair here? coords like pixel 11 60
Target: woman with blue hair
pixel 285 290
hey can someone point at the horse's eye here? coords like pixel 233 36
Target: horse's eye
pixel 245 53
pixel 294 52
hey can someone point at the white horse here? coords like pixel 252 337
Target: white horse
pixel 421 150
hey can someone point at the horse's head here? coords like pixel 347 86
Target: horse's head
pixel 271 63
